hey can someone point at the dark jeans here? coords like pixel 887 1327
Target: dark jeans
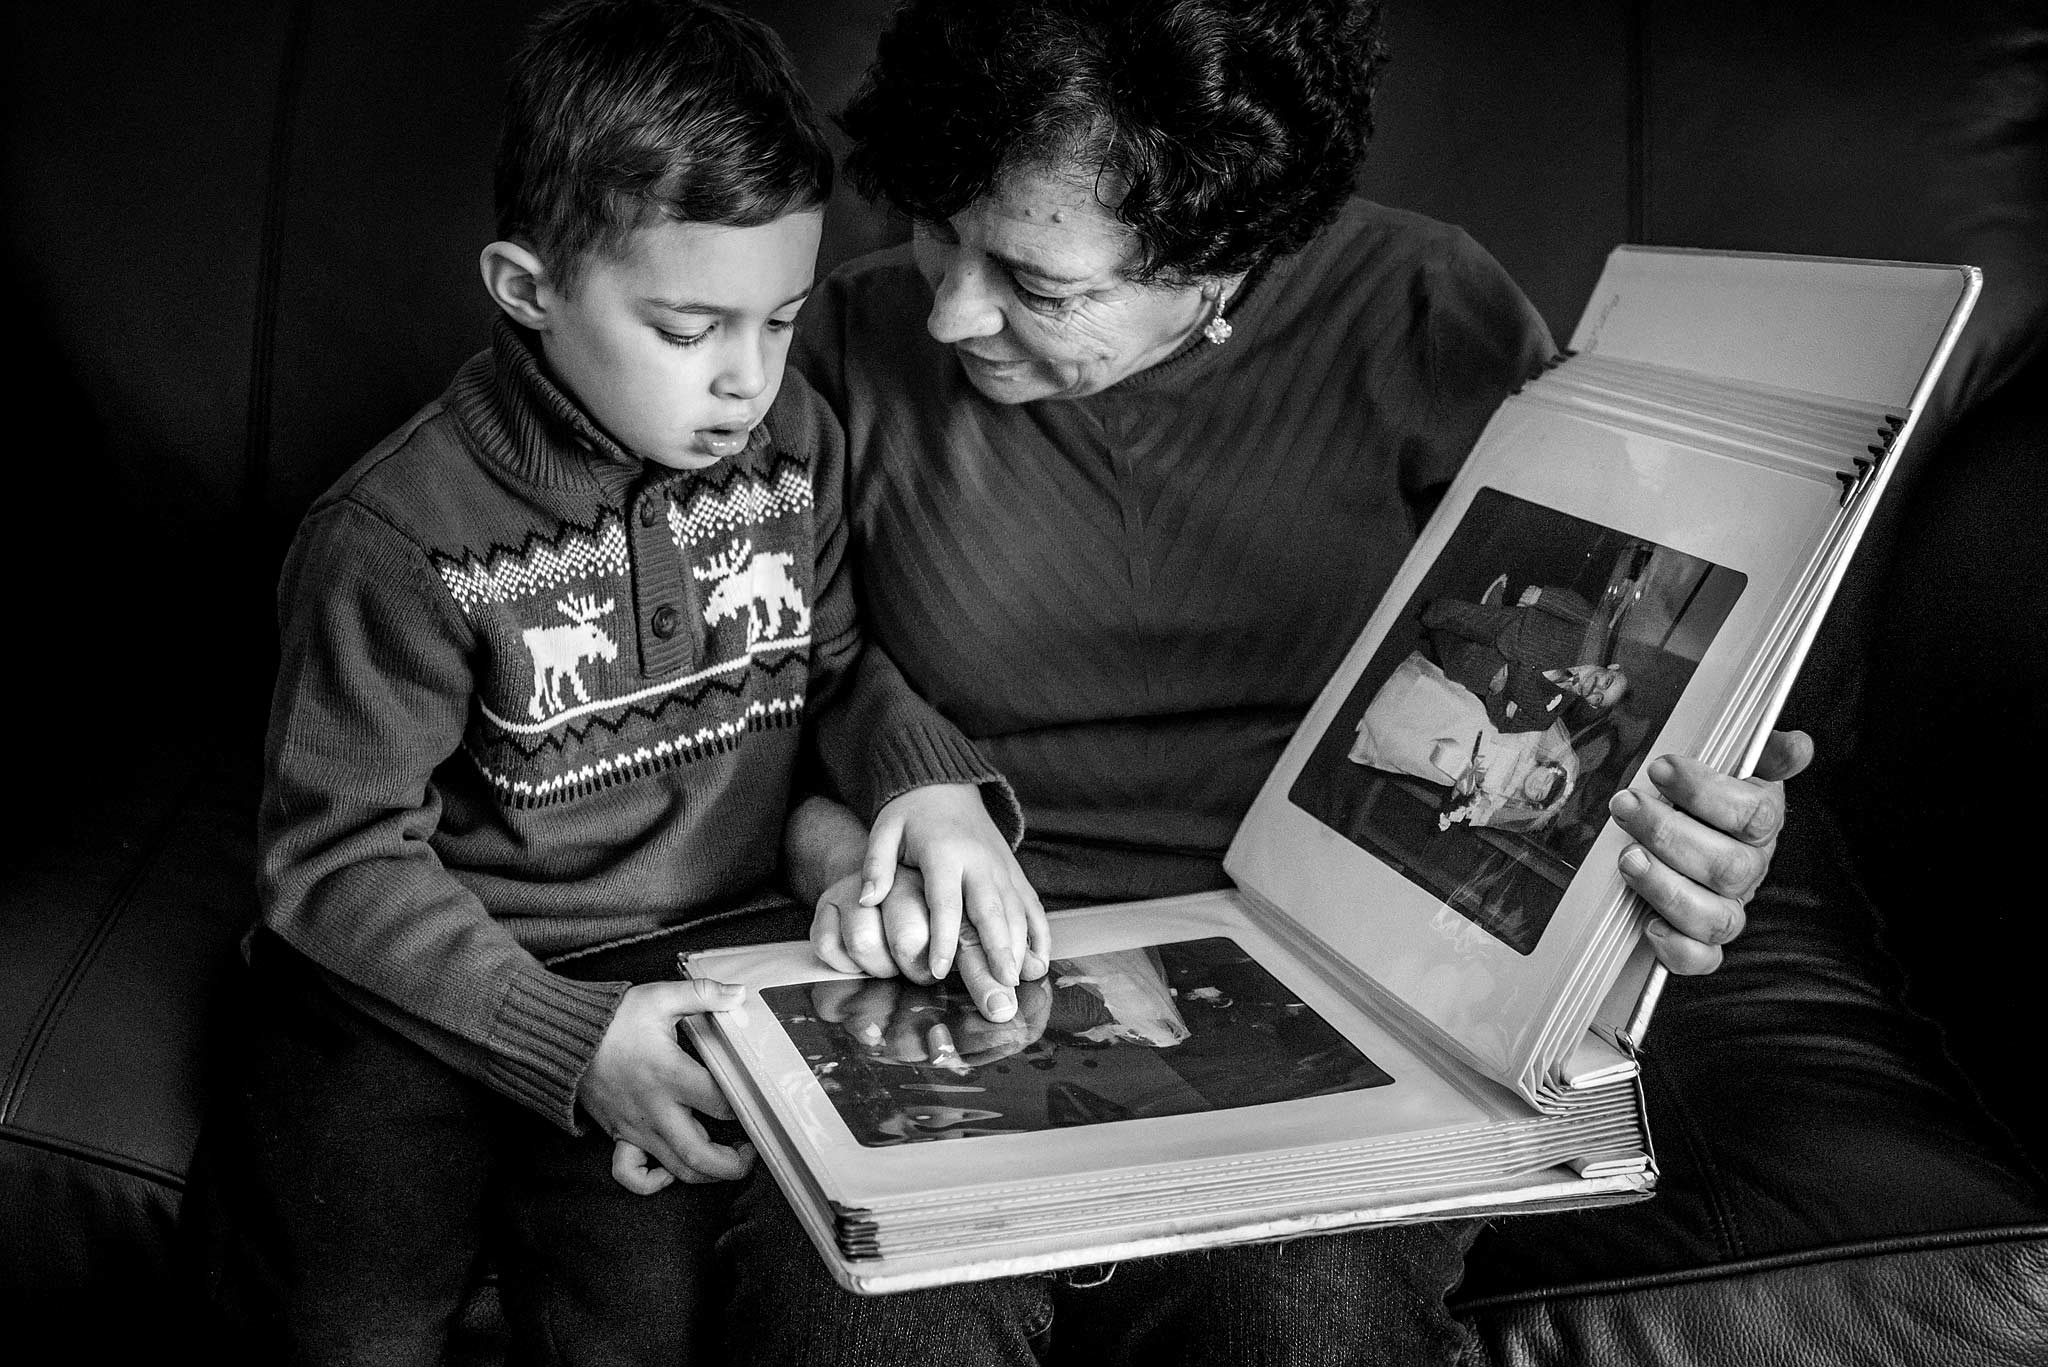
pixel 349 1186
pixel 1371 1296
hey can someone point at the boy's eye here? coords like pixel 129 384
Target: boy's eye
pixel 683 338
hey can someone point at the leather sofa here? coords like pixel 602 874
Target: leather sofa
pixel 240 242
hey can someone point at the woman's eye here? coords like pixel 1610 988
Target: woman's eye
pixel 1043 303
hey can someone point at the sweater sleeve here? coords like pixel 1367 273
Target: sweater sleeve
pixel 373 692
pixel 874 735
pixel 1482 341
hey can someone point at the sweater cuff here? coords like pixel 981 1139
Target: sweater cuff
pixel 903 759
pixel 544 1038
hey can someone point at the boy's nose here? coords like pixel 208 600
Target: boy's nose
pixel 745 374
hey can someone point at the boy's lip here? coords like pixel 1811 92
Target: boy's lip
pixel 725 439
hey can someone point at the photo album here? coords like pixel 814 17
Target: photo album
pixel 1423 996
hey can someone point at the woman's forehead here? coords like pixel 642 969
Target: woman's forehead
pixel 1055 222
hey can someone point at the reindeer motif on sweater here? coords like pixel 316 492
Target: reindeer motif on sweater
pixel 761 587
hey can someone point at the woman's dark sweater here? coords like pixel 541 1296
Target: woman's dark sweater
pixel 1130 600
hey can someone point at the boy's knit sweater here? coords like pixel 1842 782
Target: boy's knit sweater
pixel 537 694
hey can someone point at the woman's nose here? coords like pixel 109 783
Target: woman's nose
pixel 964 304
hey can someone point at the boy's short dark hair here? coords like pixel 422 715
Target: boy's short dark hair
pixel 621 110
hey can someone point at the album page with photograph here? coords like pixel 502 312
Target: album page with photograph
pixel 1423 995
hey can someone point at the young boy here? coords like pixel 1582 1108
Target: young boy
pixel 548 652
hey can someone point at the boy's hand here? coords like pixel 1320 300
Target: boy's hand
pixel 944 832
pixel 861 939
pixel 643 1087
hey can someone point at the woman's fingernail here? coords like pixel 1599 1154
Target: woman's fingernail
pixel 941 967
pixel 870 892
pixel 998 1004
pixel 1634 862
pixel 1662 771
pixel 1034 966
pixel 1624 803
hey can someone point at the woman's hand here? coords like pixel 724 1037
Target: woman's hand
pixel 855 938
pixel 1703 847
pixel 944 831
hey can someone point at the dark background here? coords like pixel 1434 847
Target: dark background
pixel 240 245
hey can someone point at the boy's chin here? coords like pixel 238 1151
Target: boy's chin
pixel 683 460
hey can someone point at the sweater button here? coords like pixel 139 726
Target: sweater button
pixel 665 621
pixel 650 513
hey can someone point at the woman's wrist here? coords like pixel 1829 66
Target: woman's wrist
pixel 822 842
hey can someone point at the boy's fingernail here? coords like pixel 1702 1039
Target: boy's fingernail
pixel 1634 862
pixel 1623 803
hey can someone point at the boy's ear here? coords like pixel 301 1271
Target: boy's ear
pixel 517 283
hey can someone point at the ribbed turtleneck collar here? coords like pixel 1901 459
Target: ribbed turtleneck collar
pixel 524 421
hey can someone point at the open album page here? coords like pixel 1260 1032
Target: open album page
pixel 1175 1049
pixel 1587 597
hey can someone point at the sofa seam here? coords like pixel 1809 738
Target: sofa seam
pixel 106 1158
pixel 1859 1249
pixel 42 1025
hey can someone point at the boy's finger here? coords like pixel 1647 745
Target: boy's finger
pixel 1001 926
pixel 694 996
pixel 688 1152
pixel 878 865
pixel 636 1172
pixel 1037 930
pixel 942 920
pixel 942 894
pixel 694 1087
pixel 994 1000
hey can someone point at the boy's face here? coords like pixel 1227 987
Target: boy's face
pixel 676 344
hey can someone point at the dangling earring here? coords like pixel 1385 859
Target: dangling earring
pixel 1217 329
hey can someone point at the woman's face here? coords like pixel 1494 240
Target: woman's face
pixel 1028 288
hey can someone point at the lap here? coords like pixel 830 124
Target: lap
pixel 1353 1297
pixel 350 1186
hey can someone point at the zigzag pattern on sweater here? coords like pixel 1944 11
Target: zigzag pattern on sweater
pixel 639 713
pixel 643 759
pixel 709 512
pixel 540 564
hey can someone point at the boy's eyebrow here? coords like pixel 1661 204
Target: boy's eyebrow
pixel 721 310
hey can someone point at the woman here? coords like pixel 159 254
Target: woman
pixel 1141 425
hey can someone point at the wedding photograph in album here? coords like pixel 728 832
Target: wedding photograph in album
pixel 1518 690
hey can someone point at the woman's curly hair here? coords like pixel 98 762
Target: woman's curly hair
pixel 1233 128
